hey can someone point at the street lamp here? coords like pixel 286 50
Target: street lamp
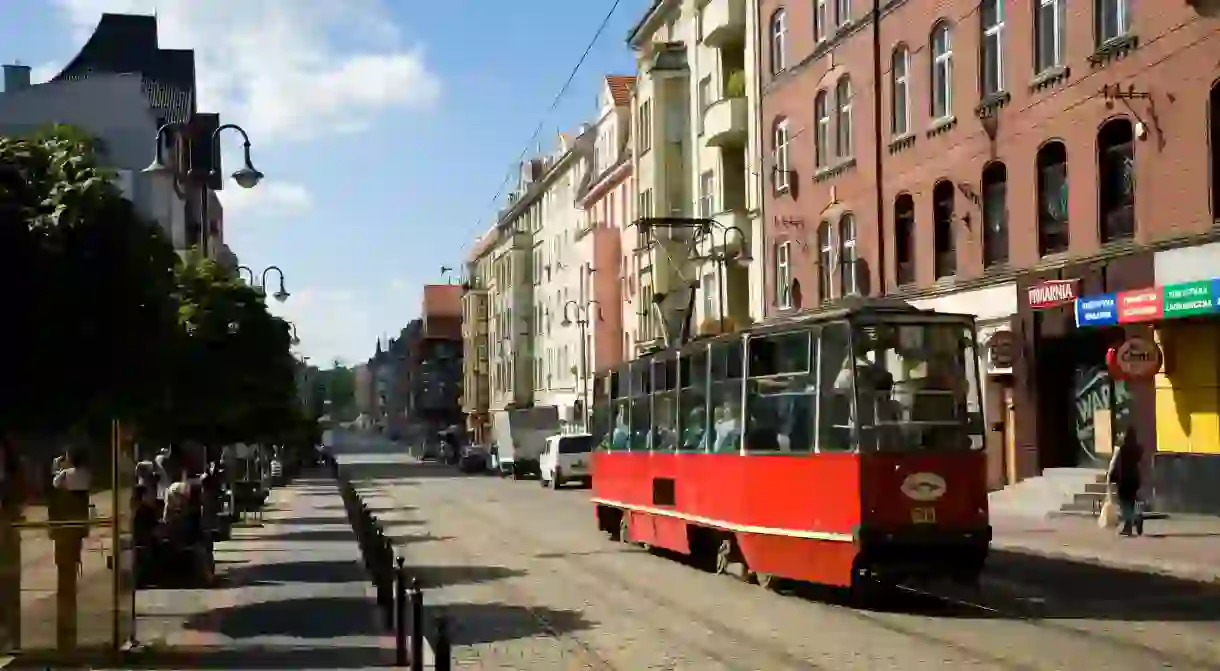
pixel 247 177
pixel 580 316
pixel 280 296
pixel 294 340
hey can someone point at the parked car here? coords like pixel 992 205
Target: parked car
pixel 474 459
pixel 567 458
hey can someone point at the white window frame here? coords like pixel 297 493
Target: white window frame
pixel 844 130
pixel 710 309
pixel 900 89
pixel 779 41
pixel 707 193
pixel 842 13
pixel 826 262
pixel 705 99
pixel 821 20
pixel 942 72
pixel 848 281
pixel 783 276
pixel 821 137
pixel 780 141
pixel 1058 19
pixel 992 38
pixel 1121 15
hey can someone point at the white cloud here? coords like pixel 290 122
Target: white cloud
pixel 40 74
pixel 278 67
pixel 330 324
pixel 398 284
pixel 268 200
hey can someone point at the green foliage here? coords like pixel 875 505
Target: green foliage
pixel 735 84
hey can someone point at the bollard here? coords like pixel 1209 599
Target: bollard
pixel 417 626
pixel 383 578
pixel 400 615
pixel 442 654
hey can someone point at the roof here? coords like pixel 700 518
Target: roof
pixel 620 88
pixel 483 244
pixel 442 300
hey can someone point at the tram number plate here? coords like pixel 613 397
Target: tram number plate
pixel 925 515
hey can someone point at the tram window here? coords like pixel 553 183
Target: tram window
pixel 599 424
pixel 836 382
pixel 692 402
pixel 664 434
pixel 620 434
pixel 913 386
pixel 781 395
pixel 641 402
pixel 724 398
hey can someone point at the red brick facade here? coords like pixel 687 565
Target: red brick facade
pixel 1165 60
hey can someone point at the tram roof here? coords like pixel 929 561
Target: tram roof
pixel 846 308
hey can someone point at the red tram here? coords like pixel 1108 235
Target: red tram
pixel 842 447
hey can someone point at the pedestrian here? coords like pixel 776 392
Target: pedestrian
pixel 1125 480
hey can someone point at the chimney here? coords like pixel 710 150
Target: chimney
pixel 16 78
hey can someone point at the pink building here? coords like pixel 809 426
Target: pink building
pixel 607 203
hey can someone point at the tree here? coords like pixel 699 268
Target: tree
pixel 234 374
pixel 89 305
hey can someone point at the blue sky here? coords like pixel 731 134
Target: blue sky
pixel 385 128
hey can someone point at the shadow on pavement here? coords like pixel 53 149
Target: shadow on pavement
pixel 431 577
pixel 259 658
pixel 312 618
pixel 308 521
pixel 408 539
pixel 294 572
pixel 372 509
pixel 474 623
pixel 310 536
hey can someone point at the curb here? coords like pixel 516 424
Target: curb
pixel 1187 572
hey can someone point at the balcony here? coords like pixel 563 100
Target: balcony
pixel 725 123
pixel 724 23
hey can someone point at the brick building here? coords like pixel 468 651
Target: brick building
pixel 1004 159
pixel 434 362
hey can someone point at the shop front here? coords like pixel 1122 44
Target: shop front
pixel 1179 354
pixel 1069 409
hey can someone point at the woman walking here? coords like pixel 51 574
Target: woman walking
pixel 1125 480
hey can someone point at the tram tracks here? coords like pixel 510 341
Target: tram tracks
pixel 608 585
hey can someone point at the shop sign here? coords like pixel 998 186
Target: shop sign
pixel 1052 293
pixel 1135 359
pixel 1172 301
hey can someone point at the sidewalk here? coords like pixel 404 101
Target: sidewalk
pixel 293 593
pixel 1186 547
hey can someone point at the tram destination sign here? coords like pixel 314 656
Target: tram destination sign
pixel 1171 301
pixel 1052 293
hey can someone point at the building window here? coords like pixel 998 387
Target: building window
pixel 783 275
pixel 1050 37
pixel 1213 115
pixel 1112 20
pixel 942 221
pixel 991 74
pixel 821 20
pixel 709 296
pixel 842 12
pixel 707 194
pixel 826 262
pixel 1053 235
pixel 705 98
pixel 942 71
pixel 904 238
pixel 848 273
pixel 843 126
pixel 995 215
pixel 1116 180
pixel 645 121
pixel 779 42
pixel 780 143
pixel 900 72
pixel 821 140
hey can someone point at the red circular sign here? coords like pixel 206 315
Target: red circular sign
pixel 1137 358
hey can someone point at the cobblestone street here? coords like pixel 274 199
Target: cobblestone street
pixel 531 583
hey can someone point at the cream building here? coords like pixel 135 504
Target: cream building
pixel 476 337
pixel 696 156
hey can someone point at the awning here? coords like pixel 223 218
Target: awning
pixel 1171 301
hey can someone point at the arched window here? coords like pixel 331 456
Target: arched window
pixel 826 262
pixel 1053 233
pixel 779 41
pixel 821 138
pixel 942 221
pixel 995 215
pixel 1213 116
pixel 900 91
pixel 904 238
pixel 942 71
pixel 848 256
pixel 1116 180
pixel 843 126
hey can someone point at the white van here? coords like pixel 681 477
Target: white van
pixel 568 457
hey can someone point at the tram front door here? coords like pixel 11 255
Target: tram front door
pixel 67 588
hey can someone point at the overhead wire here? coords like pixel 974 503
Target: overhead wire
pixel 601 28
